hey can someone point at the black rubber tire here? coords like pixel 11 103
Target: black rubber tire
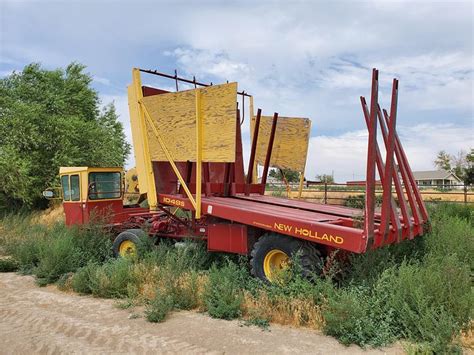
pixel 131 235
pixel 137 231
pixel 309 256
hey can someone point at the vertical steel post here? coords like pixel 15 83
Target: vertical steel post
pixel 389 161
pixel 176 79
pixel 369 222
pixel 300 187
pixel 198 153
pixel 253 150
pixel 148 165
pixel 325 193
pixel 269 151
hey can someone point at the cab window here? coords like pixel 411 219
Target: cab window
pixel 104 186
pixel 65 185
pixel 75 189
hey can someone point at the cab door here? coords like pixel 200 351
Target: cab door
pixel 72 203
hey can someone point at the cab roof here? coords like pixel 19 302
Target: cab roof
pixel 78 169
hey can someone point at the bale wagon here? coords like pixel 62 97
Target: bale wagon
pixel 189 157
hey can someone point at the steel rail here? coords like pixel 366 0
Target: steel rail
pixel 184 80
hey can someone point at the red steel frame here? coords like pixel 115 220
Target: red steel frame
pixel 232 207
pixel 334 227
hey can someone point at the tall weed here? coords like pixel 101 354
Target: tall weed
pixel 224 292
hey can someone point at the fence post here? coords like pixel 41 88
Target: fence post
pixel 325 193
pixel 465 193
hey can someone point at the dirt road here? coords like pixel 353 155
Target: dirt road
pixel 46 320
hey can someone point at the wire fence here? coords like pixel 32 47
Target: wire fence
pixel 350 193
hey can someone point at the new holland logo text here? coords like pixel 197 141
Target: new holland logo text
pixel 308 233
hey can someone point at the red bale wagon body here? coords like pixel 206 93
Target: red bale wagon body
pixel 229 209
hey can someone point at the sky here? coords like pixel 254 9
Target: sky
pixel 298 58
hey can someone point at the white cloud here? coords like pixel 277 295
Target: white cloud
pixel 346 154
pixel 207 62
pixel 308 59
pixel 100 80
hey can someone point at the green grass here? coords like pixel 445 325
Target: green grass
pixel 8 265
pixel 224 292
pixel 418 291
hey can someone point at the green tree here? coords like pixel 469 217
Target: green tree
pixel 288 174
pixel 443 160
pixel 461 164
pixel 329 179
pixel 48 119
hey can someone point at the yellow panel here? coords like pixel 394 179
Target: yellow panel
pixel 137 139
pixel 291 142
pixel 175 118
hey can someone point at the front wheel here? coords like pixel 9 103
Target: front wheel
pixel 273 253
pixel 126 243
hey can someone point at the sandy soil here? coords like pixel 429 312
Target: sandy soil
pixel 46 320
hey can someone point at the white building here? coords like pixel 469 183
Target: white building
pixel 436 178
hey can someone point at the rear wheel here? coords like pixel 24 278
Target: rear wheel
pixel 127 242
pixel 273 253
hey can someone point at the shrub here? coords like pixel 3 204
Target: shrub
pixel 366 269
pixel 57 256
pixel 442 210
pixel 451 236
pixel 359 315
pixel 21 240
pixel 358 201
pixel 112 279
pixel 417 290
pixel 186 293
pixel 157 310
pixel 8 265
pixel 223 295
pixel 432 301
pixel 93 242
pixel 81 281
pixel 25 252
pixel 52 251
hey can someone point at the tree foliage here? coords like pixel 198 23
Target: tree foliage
pixel 461 164
pixel 48 119
pixel 443 160
pixel 328 179
pixel 282 174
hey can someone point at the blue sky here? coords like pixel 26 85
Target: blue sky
pixel 310 59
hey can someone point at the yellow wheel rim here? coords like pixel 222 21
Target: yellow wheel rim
pixel 275 261
pixel 127 248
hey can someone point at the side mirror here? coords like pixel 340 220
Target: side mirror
pixel 48 194
pixel 51 194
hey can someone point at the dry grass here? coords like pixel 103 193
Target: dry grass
pixel 283 310
pixel 467 337
pixel 50 216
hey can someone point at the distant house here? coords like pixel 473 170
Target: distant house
pixel 436 178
